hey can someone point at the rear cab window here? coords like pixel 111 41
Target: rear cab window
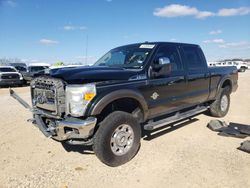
pixel 194 57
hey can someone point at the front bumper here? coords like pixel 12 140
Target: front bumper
pixel 66 129
pixel 73 128
pixel 58 128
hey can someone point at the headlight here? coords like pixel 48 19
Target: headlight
pixel 78 97
pixel 20 76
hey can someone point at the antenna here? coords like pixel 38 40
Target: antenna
pixel 86 53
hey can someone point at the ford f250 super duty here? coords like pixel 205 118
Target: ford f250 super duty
pixel 130 89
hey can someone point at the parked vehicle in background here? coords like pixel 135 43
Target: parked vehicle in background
pixel 9 76
pixel 212 63
pixel 33 70
pixel 241 66
pixel 131 88
pixel 20 67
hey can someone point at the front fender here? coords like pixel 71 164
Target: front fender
pixel 101 102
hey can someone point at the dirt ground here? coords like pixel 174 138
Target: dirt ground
pixel 189 156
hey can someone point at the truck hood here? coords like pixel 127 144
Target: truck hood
pixel 86 74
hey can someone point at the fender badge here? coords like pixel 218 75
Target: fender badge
pixel 155 96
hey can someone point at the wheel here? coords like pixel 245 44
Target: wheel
pixel 220 107
pixel 117 139
pixel 242 69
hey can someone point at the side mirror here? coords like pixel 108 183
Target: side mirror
pixel 161 68
pixel 164 61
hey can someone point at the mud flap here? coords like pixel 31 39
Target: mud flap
pixel 245 146
pixel 216 125
pixel 232 130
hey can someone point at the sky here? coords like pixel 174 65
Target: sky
pixel 83 30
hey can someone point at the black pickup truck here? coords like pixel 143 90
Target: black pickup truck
pixel 132 88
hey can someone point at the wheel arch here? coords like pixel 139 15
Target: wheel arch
pixel 123 95
pixel 226 81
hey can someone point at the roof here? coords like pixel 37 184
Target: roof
pixel 4 66
pixel 158 43
pixel 39 64
pixel 18 64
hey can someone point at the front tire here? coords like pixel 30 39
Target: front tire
pixel 117 139
pixel 220 107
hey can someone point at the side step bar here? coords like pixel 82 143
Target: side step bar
pixel 177 117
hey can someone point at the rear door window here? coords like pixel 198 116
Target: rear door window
pixel 193 58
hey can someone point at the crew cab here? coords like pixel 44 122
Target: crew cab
pixel 9 76
pixel 131 88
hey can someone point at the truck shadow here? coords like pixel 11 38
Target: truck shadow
pixel 150 135
pixel 146 135
pixel 78 148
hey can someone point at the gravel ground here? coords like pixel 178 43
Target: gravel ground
pixel 189 156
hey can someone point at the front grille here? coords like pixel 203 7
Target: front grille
pixel 48 94
pixel 10 76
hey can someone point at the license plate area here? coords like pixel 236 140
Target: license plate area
pixel 45 99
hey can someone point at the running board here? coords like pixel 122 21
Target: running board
pixel 177 117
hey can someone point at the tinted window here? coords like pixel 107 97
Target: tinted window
pixel 6 69
pixel 37 68
pixel 19 68
pixel 193 57
pixel 172 54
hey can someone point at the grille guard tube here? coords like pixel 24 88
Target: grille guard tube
pixel 42 127
pixel 19 99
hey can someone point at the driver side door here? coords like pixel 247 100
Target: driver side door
pixel 165 93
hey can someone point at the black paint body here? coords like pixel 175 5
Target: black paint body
pixel 182 89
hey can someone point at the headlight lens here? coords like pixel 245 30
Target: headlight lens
pixel 20 76
pixel 78 97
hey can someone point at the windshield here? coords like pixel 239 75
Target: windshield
pixel 7 69
pixel 37 68
pixel 22 69
pixel 132 56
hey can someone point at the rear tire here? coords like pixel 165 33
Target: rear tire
pixel 220 107
pixel 117 140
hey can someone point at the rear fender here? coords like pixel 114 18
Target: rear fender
pixel 222 82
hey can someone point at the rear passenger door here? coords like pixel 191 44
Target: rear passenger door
pixel 198 79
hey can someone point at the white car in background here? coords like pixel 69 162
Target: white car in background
pixel 241 66
pixel 9 76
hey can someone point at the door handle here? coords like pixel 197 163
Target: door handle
pixel 171 83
